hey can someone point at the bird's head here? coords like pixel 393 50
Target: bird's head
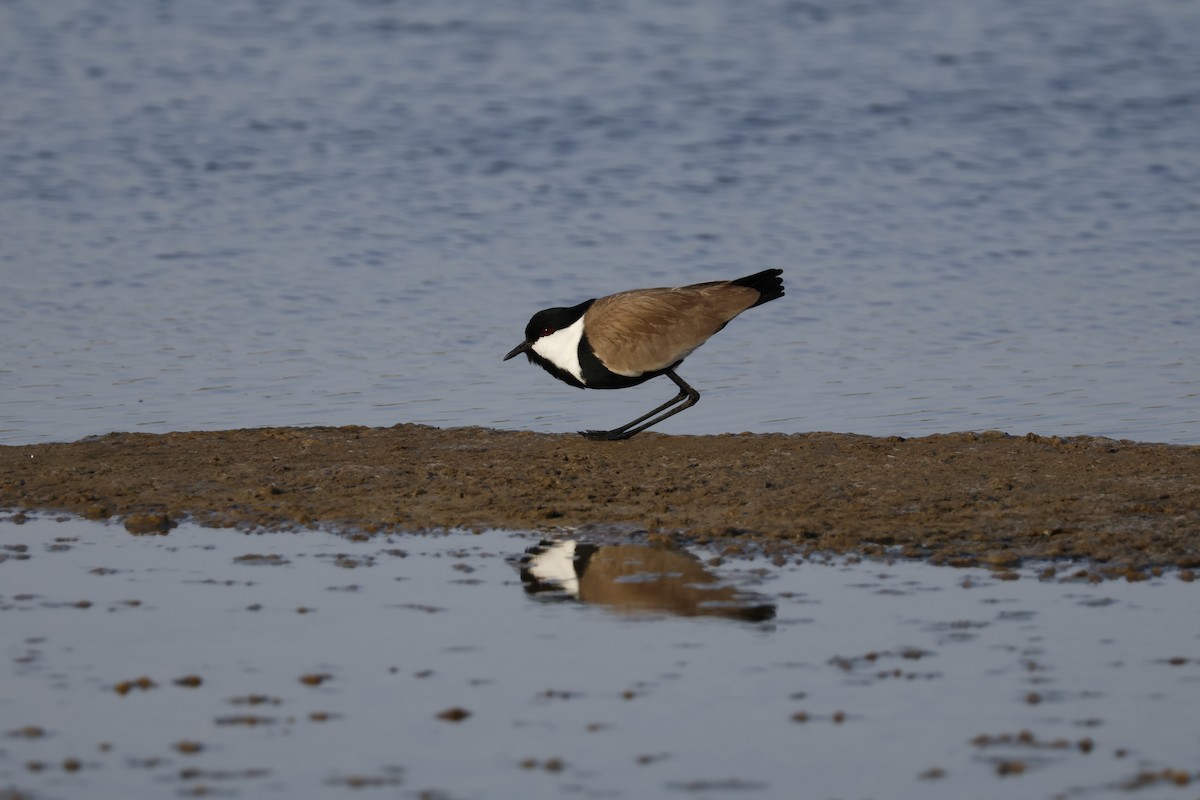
pixel 542 324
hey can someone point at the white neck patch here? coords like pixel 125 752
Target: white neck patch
pixel 561 348
pixel 557 565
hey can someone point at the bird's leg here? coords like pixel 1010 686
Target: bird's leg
pixel 686 398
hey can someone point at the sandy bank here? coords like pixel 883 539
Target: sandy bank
pixel 960 498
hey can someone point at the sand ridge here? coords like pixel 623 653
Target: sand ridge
pixel 961 498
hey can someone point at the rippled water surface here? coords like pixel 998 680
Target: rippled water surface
pixel 216 663
pixel 296 213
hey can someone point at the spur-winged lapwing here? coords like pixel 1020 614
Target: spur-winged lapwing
pixel 630 337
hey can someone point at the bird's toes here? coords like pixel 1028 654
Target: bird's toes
pixel 604 436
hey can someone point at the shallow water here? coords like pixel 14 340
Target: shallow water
pixel 344 212
pixel 430 667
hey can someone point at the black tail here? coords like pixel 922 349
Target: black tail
pixel 768 283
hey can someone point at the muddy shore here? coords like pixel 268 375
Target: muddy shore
pixel 1116 507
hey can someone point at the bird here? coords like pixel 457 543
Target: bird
pixel 627 338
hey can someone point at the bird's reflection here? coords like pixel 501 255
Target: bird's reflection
pixel 634 578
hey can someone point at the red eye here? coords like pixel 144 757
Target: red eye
pixel 546 332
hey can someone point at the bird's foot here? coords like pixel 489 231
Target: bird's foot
pixel 605 436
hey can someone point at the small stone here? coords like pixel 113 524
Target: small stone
pixel 29 732
pixel 314 678
pixel 455 714
pixel 125 687
pixel 141 524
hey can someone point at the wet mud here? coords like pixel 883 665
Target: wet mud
pixel 963 499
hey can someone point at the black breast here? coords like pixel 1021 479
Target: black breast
pixel 598 376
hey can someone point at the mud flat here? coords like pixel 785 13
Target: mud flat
pixel 965 499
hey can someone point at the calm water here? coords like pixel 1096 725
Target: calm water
pixel 295 213
pixel 870 680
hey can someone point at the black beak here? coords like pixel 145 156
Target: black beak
pixel 521 348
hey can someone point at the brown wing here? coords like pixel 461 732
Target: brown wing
pixel 651 329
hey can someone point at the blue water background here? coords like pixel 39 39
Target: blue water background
pixel 293 213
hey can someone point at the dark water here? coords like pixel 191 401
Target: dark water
pixel 344 212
